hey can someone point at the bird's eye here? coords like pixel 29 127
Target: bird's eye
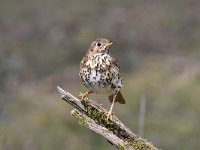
pixel 99 44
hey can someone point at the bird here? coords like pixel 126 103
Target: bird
pixel 100 73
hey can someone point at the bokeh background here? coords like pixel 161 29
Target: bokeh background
pixel 42 43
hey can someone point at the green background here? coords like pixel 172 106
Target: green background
pixel 42 43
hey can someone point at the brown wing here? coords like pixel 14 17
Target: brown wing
pixel 83 61
pixel 115 62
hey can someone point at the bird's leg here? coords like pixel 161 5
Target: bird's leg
pixel 84 96
pixel 109 115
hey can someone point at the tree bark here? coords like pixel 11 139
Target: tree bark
pixel 93 116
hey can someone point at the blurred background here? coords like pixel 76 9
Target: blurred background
pixel 42 43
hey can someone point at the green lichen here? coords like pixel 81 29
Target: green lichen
pixel 139 144
pixel 100 117
pixel 80 118
pixel 120 147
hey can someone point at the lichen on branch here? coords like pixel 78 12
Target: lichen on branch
pixel 94 117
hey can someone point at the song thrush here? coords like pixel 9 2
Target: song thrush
pixel 100 73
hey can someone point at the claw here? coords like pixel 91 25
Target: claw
pixel 109 115
pixel 84 96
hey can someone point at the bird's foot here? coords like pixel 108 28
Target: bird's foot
pixel 109 115
pixel 83 96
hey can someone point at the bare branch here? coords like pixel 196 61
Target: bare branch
pixel 93 116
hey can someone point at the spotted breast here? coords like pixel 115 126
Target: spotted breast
pixel 100 74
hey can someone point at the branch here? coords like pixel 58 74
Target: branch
pixel 93 116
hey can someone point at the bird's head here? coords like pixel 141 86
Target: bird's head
pixel 100 45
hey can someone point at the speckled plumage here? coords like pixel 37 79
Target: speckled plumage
pixel 99 71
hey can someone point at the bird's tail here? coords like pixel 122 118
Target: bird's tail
pixel 119 98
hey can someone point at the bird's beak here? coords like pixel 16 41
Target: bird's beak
pixel 110 43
